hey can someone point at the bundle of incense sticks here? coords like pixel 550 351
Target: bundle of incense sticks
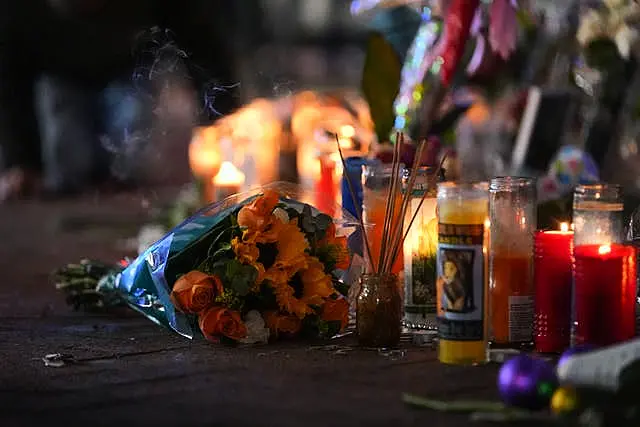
pixel 394 233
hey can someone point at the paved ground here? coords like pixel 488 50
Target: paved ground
pixel 131 372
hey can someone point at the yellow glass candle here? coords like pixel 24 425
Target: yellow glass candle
pixel 462 284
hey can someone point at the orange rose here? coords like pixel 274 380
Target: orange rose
pixel 256 214
pixel 195 291
pixel 282 323
pixel 336 310
pixel 220 321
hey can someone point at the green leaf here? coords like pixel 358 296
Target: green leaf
pixel 323 221
pixel 381 83
pixel 240 277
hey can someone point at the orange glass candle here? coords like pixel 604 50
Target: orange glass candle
pixel 512 207
pixel 377 178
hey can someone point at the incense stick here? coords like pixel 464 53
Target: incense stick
pixel 355 204
pixel 396 234
pixel 415 214
pixel 391 197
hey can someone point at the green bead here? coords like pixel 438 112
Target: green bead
pixel 564 401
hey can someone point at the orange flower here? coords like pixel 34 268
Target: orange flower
pixel 317 285
pixel 220 321
pixel 261 226
pixel 291 244
pixel 285 296
pixel 279 323
pixel 247 253
pixel 335 310
pixel 195 291
pixel 255 215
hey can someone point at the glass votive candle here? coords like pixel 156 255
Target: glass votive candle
pixel 597 214
pixel 553 281
pixel 377 179
pixel 512 207
pixel 604 294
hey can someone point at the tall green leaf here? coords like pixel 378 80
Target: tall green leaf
pixel 381 83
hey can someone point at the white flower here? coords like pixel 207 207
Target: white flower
pixel 148 235
pixel 281 214
pixel 626 40
pixel 592 26
pixel 257 333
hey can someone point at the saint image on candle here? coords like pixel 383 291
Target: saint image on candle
pixel 228 181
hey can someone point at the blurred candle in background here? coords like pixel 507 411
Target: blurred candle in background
pixel 205 158
pixel 228 181
pixel 552 261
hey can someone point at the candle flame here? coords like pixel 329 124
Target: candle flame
pixel 347 131
pixel 564 227
pixel 604 249
pixel 229 175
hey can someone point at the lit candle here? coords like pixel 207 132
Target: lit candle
pixel 605 291
pixel 326 186
pixel 205 158
pixel 228 181
pixel 552 264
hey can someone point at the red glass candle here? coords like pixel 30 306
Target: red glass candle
pixel 552 278
pixel 604 294
pixel 326 187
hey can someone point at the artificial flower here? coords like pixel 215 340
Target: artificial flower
pixel 279 323
pixel 336 310
pixel 220 321
pixel 317 285
pixel 195 291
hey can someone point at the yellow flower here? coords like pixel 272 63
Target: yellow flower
pixel 247 253
pixel 317 285
pixel 291 244
pixel 288 302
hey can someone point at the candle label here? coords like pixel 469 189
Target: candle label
pixel 420 248
pixel 460 283
pixel 521 315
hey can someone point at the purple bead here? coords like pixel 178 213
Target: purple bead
pixel 527 382
pixel 583 348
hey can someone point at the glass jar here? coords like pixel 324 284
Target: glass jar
pixel 597 214
pixel 462 285
pixel 420 248
pixel 377 179
pixel 379 310
pixel 513 208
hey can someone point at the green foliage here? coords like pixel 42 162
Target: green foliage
pixel 240 277
pixel 381 83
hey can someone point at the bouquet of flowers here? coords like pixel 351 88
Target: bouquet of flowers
pixel 255 266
